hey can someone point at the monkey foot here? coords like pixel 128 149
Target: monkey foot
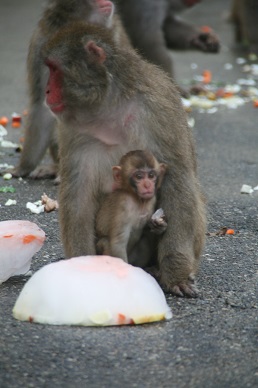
pixel 182 290
pixel 44 172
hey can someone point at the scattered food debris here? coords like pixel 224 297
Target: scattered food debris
pixel 4 120
pixel 10 202
pixel 35 207
pixel 246 189
pixel 8 144
pixel 7 176
pixel 49 204
pixel 7 189
pixel 5 166
pixel 3 132
pixel 221 232
pixel 208 95
pixel 16 120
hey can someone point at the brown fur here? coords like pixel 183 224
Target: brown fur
pixel 113 106
pixel 40 130
pixel 124 214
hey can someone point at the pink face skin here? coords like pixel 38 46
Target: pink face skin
pixel 144 182
pixel 54 98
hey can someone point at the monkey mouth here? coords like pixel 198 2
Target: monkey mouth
pixel 147 195
pixel 57 108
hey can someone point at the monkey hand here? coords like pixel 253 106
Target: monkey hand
pixel 157 223
pixel 206 41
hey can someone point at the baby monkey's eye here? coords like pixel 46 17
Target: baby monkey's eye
pixel 152 175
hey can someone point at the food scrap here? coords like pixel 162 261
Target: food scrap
pixel 7 189
pixel 10 202
pixel 208 94
pixel 49 204
pixel 16 120
pixel 4 120
pixel 222 232
pixel 246 189
pixel 46 204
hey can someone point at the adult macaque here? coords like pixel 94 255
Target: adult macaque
pixel 245 17
pixel 126 211
pixel 109 101
pixel 153 26
pixel 40 130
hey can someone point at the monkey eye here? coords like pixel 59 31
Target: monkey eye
pixel 152 175
pixel 138 175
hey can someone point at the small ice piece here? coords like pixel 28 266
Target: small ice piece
pixel 102 290
pixel 35 207
pixel 19 241
pixel 212 110
pixel 191 122
pixel 246 189
pixel 255 188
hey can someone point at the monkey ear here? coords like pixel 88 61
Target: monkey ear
pixel 97 52
pixel 162 171
pixel 117 174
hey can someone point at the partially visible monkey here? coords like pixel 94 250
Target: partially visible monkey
pixel 245 18
pixel 126 211
pixel 40 130
pixel 109 101
pixel 153 26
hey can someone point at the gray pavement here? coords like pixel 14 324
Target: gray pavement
pixel 211 341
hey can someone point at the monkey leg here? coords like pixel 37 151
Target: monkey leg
pixel 182 35
pixel 38 134
pixel 179 249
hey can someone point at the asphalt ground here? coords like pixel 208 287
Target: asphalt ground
pixel 211 341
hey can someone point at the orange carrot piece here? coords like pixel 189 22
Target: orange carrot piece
pixel 206 29
pixel 4 120
pixel 230 231
pixel 207 76
pixel 28 239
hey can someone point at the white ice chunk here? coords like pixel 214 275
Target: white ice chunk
pixel 89 291
pixel 19 241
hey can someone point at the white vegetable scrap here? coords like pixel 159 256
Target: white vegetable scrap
pixel 8 144
pixel 10 202
pixel 102 290
pixel 35 207
pixel 19 241
pixel 246 189
pixel 7 176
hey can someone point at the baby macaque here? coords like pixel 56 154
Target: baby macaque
pixel 126 211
